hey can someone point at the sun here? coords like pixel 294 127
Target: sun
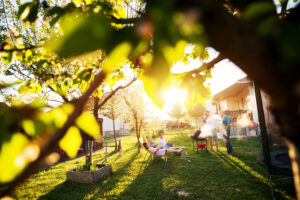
pixel 174 95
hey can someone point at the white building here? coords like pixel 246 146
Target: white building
pixel 238 101
pixel 122 129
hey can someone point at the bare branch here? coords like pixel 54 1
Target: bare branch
pixel 56 100
pixel 114 92
pixel 209 65
pixel 62 96
pixel 137 11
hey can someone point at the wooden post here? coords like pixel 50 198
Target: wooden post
pixel 264 136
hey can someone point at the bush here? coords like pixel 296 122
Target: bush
pixel 175 125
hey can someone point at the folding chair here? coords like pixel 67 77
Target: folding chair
pixel 152 155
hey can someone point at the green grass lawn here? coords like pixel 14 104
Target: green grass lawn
pixel 210 175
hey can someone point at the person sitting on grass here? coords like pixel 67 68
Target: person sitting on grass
pixel 151 142
pixel 161 152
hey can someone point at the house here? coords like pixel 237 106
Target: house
pixel 238 101
pixel 122 129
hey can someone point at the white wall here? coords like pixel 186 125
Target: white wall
pixel 209 106
pixel 108 124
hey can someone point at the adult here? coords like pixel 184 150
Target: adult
pixel 211 128
pixel 226 135
pixel 161 152
pixel 151 142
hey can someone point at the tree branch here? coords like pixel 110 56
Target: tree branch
pixel 209 65
pixel 137 11
pixel 114 92
pixel 62 96
pixel 54 100
pixel 50 145
pixel 125 21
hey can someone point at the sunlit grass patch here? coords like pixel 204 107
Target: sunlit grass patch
pixel 209 175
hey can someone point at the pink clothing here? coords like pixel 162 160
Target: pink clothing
pixel 160 152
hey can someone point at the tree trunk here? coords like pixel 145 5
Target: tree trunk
pixel 89 141
pixel 263 63
pixel 137 134
pixel 116 146
pixel 89 152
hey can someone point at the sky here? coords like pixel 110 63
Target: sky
pixel 224 75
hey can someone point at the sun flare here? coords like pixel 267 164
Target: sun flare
pixel 174 95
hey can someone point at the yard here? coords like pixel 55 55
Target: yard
pixel 209 175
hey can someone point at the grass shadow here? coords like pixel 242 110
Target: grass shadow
pixel 150 182
pixel 209 175
pixel 81 191
pixel 62 191
pixel 286 192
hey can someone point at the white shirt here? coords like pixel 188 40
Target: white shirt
pixel 211 125
pixel 162 142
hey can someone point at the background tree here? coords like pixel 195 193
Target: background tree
pixel 261 41
pixel 196 112
pixel 112 110
pixel 137 110
pixel 176 111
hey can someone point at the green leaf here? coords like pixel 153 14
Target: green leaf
pixel 155 89
pixel 32 128
pixel 98 93
pixel 265 27
pixel 71 141
pixel 6 57
pixel 79 2
pixel 28 126
pixel 175 54
pixel 68 108
pixel 81 34
pixel 59 117
pixel 87 122
pixel 54 20
pixel 11 160
pixel 117 57
pixel 28 11
pixel 257 9
pixel 282 1
pixel 193 99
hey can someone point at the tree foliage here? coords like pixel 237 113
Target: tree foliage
pixel 196 112
pixel 72 48
pixel 176 111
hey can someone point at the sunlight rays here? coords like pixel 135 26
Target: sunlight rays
pixel 174 95
pixel 234 162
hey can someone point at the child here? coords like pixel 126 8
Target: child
pixel 162 141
